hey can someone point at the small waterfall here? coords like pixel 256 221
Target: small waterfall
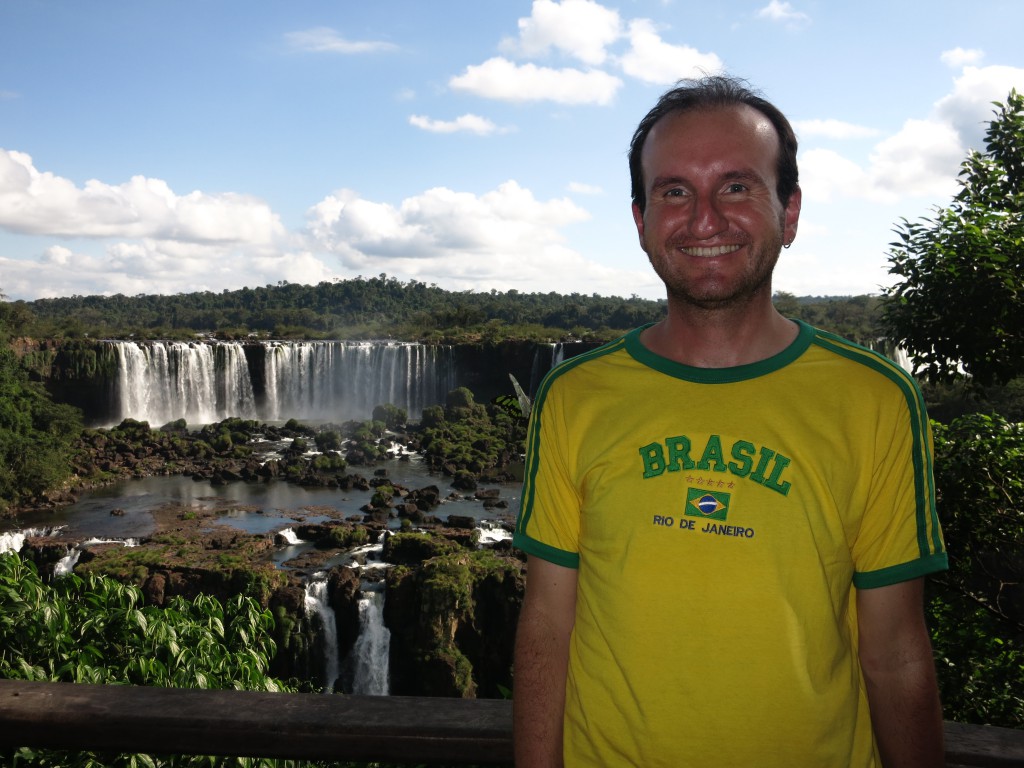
pixel 557 354
pixel 317 605
pixel 370 653
pixel 897 354
pixel 289 537
pixel 13 541
pixel 66 564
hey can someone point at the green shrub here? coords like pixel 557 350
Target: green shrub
pixel 976 615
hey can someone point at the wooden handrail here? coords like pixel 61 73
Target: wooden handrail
pixel 159 721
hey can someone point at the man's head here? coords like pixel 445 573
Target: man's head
pixel 711 93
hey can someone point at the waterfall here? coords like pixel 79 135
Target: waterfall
pixel 200 382
pixel 557 354
pixel 207 381
pixel 370 653
pixel 289 537
pixel 346 380
pixel 67 564
pixel 317 605
pixel 13 541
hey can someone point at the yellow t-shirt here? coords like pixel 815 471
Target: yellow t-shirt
pixel 720 520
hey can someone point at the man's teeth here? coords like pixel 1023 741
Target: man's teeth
pixel 718 250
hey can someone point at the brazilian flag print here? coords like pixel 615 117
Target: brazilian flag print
pixel 710 505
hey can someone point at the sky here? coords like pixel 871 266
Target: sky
pixel 208 145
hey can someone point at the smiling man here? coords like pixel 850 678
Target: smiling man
pixel 728 514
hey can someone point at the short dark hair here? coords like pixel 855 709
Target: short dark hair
pixel 712 92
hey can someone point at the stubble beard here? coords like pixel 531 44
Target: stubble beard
pixel 714 296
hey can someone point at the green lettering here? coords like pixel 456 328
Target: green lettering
pixel 712 453
pixel 743 452
pixel 654 460
pixel 781 462
pixel 762 464
pixel 678 453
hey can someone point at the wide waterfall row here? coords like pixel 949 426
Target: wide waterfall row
pixel 204 382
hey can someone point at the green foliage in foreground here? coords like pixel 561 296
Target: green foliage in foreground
pixel 97 630
pixel 35 435
pixel 976 612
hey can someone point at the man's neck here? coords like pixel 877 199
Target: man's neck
pixel 720 338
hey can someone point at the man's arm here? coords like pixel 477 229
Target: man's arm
pixel 541 663
pixel 899 670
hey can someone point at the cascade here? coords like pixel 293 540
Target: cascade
pixel 316 604
pixel 200 382
pixel 557 354
pixel 13 541
pixel 289 537
pixel 207 381
pixel 66 564
pixel 370 652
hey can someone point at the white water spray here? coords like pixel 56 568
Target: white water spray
pixel 370 653
pixel 317 605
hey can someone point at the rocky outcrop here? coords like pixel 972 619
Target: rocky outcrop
pixel 452 619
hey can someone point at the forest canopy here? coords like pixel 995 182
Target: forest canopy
pixel 382 306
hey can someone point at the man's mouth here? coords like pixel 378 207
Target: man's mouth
pixel 710 252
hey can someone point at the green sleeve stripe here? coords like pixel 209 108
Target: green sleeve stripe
pixel 545 551
pixel 928 531
pixel 537 413
pixel 899 573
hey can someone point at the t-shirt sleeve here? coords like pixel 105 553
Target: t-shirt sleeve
pixel 899 537
pixel 549 514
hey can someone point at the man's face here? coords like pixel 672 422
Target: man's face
pixel 714 226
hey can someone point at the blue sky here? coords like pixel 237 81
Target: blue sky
pixel 169 147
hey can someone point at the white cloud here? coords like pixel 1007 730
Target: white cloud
pixel 505 238
pixel 149 266
pixel 653 60
pixel 961 57
pixel 499 78
pixel 922 159
pixel 585 189
pixel 41 203
pixel 464 123
pixel 833 129
pixel 327 40
pixel 969 107
pixel 825 174
pixel 582 29
pixel 783 12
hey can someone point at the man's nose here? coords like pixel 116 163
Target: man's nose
pixel 707 219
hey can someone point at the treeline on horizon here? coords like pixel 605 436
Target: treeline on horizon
pixel 385 307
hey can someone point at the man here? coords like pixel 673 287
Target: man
pixel 728 514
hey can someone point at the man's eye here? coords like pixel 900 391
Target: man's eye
pixel 736 187
pixel 675 192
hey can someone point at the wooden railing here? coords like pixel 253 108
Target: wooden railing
pixel 162 721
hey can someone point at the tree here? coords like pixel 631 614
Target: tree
pixel 976 610
pixel 36 435
pixel 960 304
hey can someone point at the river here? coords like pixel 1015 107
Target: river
pixel 262 507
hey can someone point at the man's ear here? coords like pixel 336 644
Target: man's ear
pixel 792 216
pixel 638 219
